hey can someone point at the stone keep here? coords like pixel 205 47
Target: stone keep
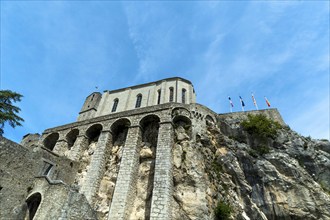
pixel 115 162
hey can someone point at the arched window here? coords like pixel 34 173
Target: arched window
pixel 138 101
pixel 171 94
pixel 115 104
pixel 159 94
pixel 183 96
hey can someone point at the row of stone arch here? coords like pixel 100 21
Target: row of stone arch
pixel 118 129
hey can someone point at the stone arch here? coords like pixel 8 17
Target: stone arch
pixel 93 132
pixel 50 140
pixel 209 120
pixel 150 126
pixel 33 203
pixel 181 111
pixel 119 131
pixel 71 137
pixel 182 126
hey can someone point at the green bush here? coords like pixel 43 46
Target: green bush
pixel 222 211
pixel 260 126
pixel 262 149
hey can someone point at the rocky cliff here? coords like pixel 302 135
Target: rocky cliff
pixel 238 172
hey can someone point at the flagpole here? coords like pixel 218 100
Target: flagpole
pixel 230 104
pixel 254 101
pixel 242 102
pixel 267 102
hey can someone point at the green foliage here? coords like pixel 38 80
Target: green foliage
pixel 222 211
pixel 253 153
pixel 323 186
pixel 259 150
pixel 217 167
pixel 239 138
pixel 260 126
pixel 262 150
pixel 8 111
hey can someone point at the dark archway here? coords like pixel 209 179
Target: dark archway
pixel 209 120
pixel 150 127
pixel 50 141
pixel 33 203
pixel 119 131
pixel 182 125
pixel 71 137
pixel 93 132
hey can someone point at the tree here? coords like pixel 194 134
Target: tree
pixel 8 111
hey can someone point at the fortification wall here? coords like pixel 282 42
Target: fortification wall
pixel 230 122
pixel 20 169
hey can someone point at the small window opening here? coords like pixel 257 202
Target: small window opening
pixel 159 95
pixel 138 101
pixel 114 106
pixel 46 168
pixel 183 96
pixel 171 94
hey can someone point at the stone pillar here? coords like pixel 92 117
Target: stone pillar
pixel 79 146
pixel 96 167
pixel 162 191
pixel 124 194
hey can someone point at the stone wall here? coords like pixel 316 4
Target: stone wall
pixel 22 168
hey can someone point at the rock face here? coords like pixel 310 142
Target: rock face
pixel 288 181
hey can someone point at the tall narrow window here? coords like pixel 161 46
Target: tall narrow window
pixel 138 101
pixel 171 94
pixel 159 94
pixel 115 104
pixel 183 96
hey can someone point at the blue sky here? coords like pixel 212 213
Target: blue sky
pixel 56 52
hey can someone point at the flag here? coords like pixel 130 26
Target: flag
pixel 241 101
pixel 254 101
pixel 231 103
pixel 268 103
